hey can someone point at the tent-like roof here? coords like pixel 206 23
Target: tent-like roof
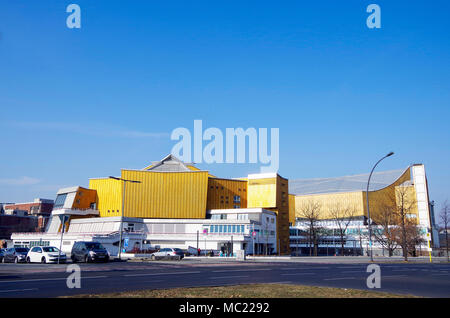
pixel 350 183
pixel 169 163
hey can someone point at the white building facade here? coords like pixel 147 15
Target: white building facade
pixel 223 231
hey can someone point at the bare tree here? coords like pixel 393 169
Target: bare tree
pixel 444 217
pixel 384 232
pixel 310 212
pixel 342 217
pixel 413 237
pixel 403 208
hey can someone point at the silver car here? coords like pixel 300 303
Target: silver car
pixel 15 255
pixel 170 253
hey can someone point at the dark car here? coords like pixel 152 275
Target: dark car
pixel 15 255
pixel 89 252
pixel 2 253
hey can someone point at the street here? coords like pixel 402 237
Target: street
pixel 49 280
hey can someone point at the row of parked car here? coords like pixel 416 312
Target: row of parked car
pixel 81 252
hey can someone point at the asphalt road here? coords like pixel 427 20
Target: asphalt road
pixel 49 280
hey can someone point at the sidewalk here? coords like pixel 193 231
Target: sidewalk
pixel 302 259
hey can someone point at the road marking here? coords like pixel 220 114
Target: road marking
pixel 47 279
pixel 31 280
pixel 339 278
pixel 389 276
pixel 228 277
pixel 17 290
pixel 294 274
pixel 349 272
pixel 156 274
pixel 242 270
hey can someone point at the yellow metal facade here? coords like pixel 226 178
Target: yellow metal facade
pixel 180 195
pixel 291 208
pixel 356 200
pixel 262 193
pixel 379 199
pixel 109 196
pixel 272 194
pixel 327 202
pixel 222 192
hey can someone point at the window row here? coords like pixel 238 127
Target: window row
pixel 226 228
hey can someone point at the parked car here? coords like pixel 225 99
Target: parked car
pixel 168 253
pixel 15 255
pixel 45 254
pixel 2 253
pixel 89 252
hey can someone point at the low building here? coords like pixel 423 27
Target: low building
pixel 39 207
pixel 251 230
pixel 17 223
pixel 38 213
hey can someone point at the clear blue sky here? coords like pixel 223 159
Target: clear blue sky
pixel 84 103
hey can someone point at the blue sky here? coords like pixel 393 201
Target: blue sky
pixel 81 103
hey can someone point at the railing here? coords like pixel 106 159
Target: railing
pixel 70 209
pixel 77 233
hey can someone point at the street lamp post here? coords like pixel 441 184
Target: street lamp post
pixel 123 207
pixel 368 211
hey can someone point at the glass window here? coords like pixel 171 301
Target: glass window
pixel 237 198
pixel 211 228
pixel 60 199
pixel 216 228
pixel 229 228
pixel 242 228
pixel 220 228
pixel 234 228
pixel 94 246
pixel 50 249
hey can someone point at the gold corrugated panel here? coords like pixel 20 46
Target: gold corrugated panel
pixel 329 201
pixel 221 193
pixel 378 200
pixel 109 196
pixel 262 193
pixel 291 208
pixel 166 194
